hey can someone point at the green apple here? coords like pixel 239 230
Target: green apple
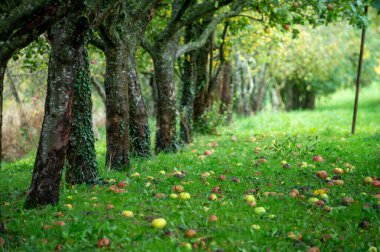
pixel 260 210
pixel 313 200
pixel 184 196
pixel 173 196
pixel 249 198
pixel 128 214
pixel 159 223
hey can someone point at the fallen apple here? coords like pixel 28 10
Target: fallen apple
pixel 322 174
pixel 313 249
pixel 128 214
pixel 376 183
pixel 213 218
pixel 318 159
pixel 59 223
pixel 367 180
pixel 173 196
pixel 122 184
pixel 110 206
pixel 135 175
pixel 104 242
pixel 190 233
pixel 216 189
pixel 184 196
pixel 312 200
pixel 249 198
pixel 212 197
pixel 255 226
pixel 338 171
pixel 178 188
pixel 259 210
pixel 159 223
pixel 222 177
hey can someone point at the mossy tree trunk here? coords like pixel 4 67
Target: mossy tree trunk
pixel 163 58
pixel 81 166
pixel 187 94
pixel 117 108
pixel 200 102
pixel 139 127
pixel 67 45
pixel 3 65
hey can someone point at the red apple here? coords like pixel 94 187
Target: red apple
pixel 104 242
pixel 322 174
pixel 318 159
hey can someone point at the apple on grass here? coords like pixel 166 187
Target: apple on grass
pixel 127 213
pixel 159 223
pixel 249 198
pixel 104 242
pixel 184 196
pixel 260 210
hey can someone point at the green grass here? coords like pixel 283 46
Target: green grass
pixel 295 137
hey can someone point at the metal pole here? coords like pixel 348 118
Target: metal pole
pixel 359 76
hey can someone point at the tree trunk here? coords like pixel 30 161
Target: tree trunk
pixel 260 91
pixel 3 66
pixel 82 166
pixel 187 96
pixel 163 59
pixel 226 101
pixel 200 102
pixel 2 227
pixel 67 45
pixel 99 89
pixel 117 108
pixel 139 127
pixel 24 127
pixel 152 84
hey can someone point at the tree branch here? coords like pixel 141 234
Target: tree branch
pixel 97 42
pixel 205 34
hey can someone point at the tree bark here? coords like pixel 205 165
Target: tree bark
pixel 67 44
pixel 99 89
pixel 187 96
pixel 117 109
pixel 82 166
pixel 152 84
pixel 139 127
pixel 2 227
pixel 3 65
pixel 163 59
pixel 226 99
pixel 200 102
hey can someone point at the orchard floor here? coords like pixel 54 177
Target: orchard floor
pixel 240 152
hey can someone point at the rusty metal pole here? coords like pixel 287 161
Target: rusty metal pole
pixel 359 76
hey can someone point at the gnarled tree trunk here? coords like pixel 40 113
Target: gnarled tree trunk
pixel 67 45
pixel 117 108
pixel 82 166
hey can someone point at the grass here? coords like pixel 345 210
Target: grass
pixel 295 137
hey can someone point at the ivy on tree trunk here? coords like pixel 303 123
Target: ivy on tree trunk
pixel 67 45
pixel 81 164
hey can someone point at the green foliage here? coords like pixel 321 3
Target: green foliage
pixel 211 120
